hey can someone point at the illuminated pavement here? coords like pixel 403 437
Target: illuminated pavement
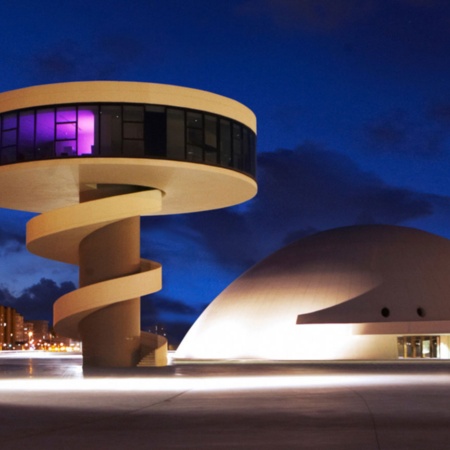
pixel 47 403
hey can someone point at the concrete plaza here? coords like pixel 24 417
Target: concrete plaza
pixel 46 402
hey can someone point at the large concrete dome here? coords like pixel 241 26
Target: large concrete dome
pixel 346 293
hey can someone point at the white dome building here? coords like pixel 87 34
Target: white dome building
pixel 362 292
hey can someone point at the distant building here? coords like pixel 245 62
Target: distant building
pixel 40 330
pixel 19 329
pixel 11 327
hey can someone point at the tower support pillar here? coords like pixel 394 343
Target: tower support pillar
pixel 111 335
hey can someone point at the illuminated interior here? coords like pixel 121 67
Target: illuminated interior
pixel 124 129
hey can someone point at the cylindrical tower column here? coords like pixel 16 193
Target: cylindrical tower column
pixel 111 335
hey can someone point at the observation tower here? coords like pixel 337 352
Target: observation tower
pixel 92 157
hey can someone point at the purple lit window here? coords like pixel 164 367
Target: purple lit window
pixel 45 133
pixel 66 130
pixel 26 135
pixel 9 138
pixel 66 114
pixel 86 127
pixel 9 121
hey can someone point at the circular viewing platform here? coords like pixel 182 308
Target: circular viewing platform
pixel 58 139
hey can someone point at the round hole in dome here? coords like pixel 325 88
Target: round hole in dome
pixel 420 312
pixel 385 312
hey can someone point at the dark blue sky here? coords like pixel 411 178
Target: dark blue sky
pixel 353 105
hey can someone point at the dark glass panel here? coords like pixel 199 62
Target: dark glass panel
pixel 87 130
pixel 133 130
pixel 194 153
pixel 8 155
pixel 252 143
pixel 9 138
pixel 26 136
pixel 133 148
pixel 133 113
pixel 194 120
pixel 225 142
pixel 237 146
pixel 211 155
pixel 66 114
pixel 110 130
pixel 195 136
pixel 245 150
pixel 155 130
pixel 45 133
pixel 9 121
pixel 66 130
pixel 211 131
pixel 175 134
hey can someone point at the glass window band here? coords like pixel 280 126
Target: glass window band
pixel 126 130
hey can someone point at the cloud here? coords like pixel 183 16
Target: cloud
pixel 314 187
pixel 36 301
pixel 399 133
pixel 12 230
pixel 324 15
pixel 155 305
pixel 11 241
pixel 387 37
pixel 70 60
pixel 440 113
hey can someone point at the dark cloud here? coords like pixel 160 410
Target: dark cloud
pixel 155 304
pixel 11 241
pixel 377 35
pixel 314 187
pixel 36 301
pixel 440 112
pixel 388 131
pixel 326 15
pixel 6 298
pixel 158 312
pixel 399 133
pixel 58 63
pixel 107 58
pixel 332 15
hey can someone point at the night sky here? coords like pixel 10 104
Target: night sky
pixel 353 105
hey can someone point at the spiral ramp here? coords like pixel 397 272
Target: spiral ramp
pixel 101 236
